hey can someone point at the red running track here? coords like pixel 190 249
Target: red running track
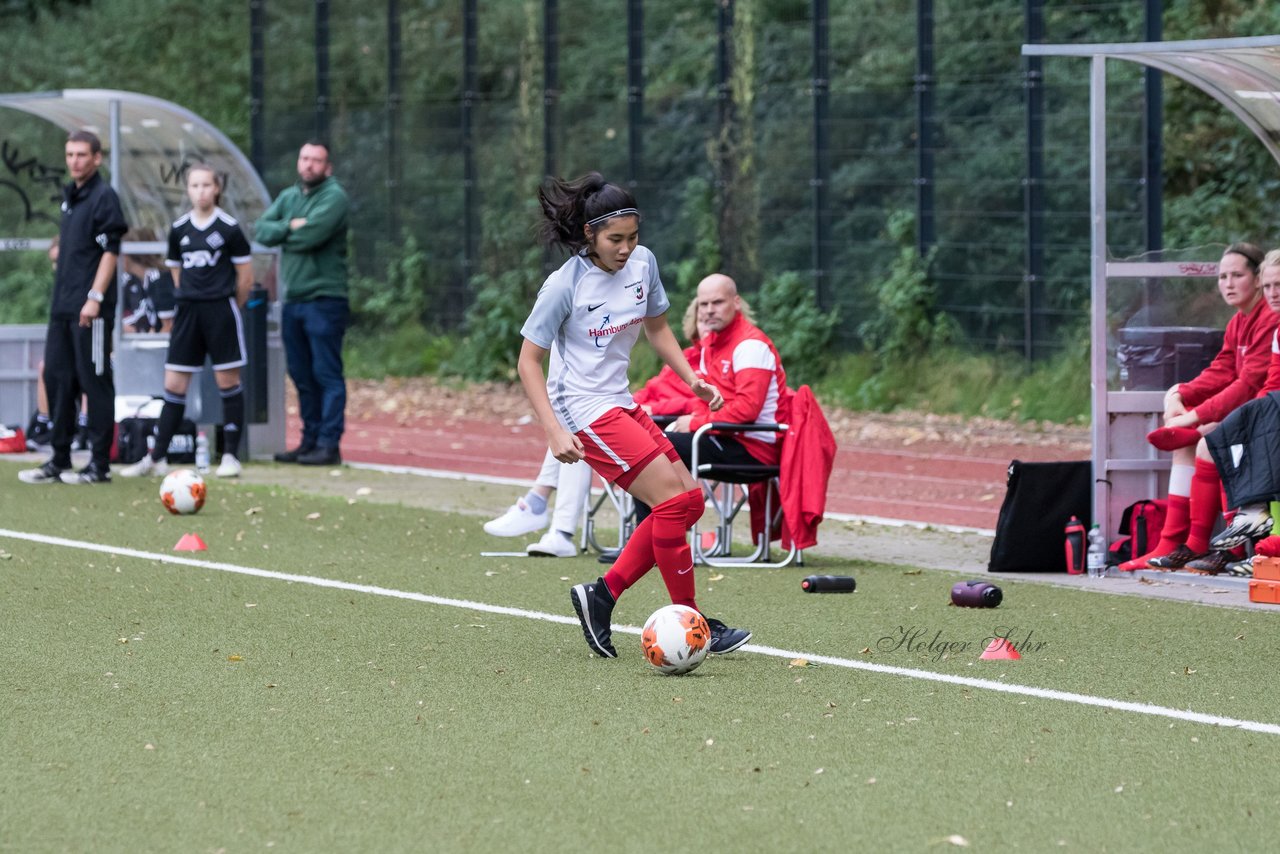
pixel 939 483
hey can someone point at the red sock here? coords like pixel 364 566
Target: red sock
pixel 635 560
pixel 1206 505
pixel 1270 547
pixel 697 505
pixel 671 549
pixel 1177 520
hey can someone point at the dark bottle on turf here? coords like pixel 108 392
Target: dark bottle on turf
pixel 828 584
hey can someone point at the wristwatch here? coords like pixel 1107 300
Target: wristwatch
pixel 94 295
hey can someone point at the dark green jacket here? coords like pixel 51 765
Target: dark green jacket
pixel 313 262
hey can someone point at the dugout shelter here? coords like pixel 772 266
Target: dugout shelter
pixel 1241 74
pixel 148 143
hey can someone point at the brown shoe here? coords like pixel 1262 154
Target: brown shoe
pixel 1176 559
pixel 1211 564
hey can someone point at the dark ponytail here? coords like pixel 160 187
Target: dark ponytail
pixel 567 206
pixel 1249 252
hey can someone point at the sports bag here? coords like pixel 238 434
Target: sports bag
pixel 1140 525
pixel 132 445
pixel 1041 498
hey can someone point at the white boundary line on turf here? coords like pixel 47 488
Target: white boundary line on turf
pixel 774 652
pixel 524 482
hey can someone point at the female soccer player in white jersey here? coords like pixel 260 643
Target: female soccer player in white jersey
pixel 209 258
pixel 591 311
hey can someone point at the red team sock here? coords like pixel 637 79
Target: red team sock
pixel 1205 505
pixel 697 505
pixel 1177 521
pixel 635 560
pixel 660 539
pixel 671 549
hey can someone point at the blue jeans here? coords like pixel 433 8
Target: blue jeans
pixel 312 333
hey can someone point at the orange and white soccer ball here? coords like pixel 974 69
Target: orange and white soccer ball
pixel 675 639
pixel 182 492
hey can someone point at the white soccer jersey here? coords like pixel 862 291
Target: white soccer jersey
pixel 592 319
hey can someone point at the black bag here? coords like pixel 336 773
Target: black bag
pixel 1041 499
pixel 133 440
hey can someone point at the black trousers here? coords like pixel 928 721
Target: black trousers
pixel 724 450
pixel 77 360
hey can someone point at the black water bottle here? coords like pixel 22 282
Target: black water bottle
pixel 828 584
pixel 976 594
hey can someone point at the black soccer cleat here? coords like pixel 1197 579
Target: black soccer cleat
pixel 594 605
pixel 725 639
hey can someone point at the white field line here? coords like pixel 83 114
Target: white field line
pixel 852 664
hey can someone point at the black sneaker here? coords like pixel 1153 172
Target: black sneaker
pixel 1176 559
pixel 1211 564
pixel 80 442
pixel 39 435
pixel 292 456
pixel 725 639
pixel 89 474
pixel 594 606
pixel 319 456
pixel 47 473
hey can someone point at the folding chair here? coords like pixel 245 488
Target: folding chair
pixel 725 486
pixel 622 504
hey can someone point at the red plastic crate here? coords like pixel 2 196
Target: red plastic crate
pixel 1266 568
pixel 1264 591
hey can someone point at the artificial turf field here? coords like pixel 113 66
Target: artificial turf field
pixel 155 706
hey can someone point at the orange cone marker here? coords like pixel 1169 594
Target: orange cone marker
pixel 190 543
pixel 1000 650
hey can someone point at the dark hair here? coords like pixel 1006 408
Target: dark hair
pixel 1249 252
pixel 95 144
pixel 569 205
pixel 319 143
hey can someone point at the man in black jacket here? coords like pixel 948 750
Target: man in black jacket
pixel 77 347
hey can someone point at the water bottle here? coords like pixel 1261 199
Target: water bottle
pixel 1075 542
pixel 828 584
pixel 1096 558
pixel 202 452
pixel 976 594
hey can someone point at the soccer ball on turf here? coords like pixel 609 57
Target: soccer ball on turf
pixel 182 492
pixel 675 639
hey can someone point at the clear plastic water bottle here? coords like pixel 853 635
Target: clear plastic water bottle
pixel 202 452
pixel 1096 556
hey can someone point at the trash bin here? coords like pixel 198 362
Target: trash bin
pixel 1153 358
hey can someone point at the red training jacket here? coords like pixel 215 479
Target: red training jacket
pixel 1238 371
pixel 742 362
pixel 666 393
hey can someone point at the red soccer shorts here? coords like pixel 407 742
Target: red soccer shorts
pixel 620 443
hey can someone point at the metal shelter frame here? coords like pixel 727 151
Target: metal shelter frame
pixel 1242 74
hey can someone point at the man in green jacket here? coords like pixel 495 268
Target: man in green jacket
pixel 308 221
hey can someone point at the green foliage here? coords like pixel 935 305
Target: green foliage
pixel 396 299
pixel 25 288
pixel 966 382
pixel 787 310
pixel 488 350
pixel 404 351
pixel 906 322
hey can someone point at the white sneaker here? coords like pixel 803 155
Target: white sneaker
pixel 145 467
pixel 553 544
pixel 229 467
pixel 517 521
